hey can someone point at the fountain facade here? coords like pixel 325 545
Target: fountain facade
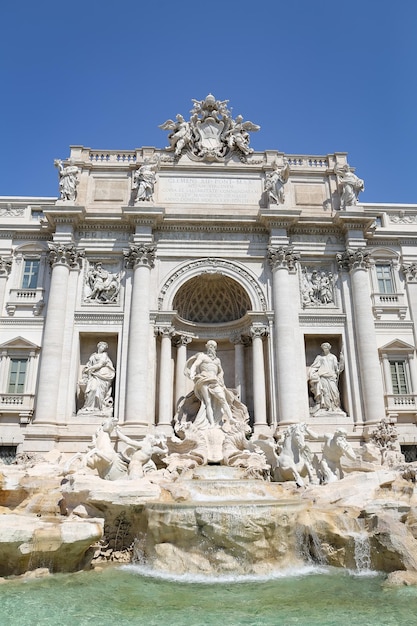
pixel 201 343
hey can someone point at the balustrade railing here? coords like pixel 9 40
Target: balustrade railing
pixel 401 402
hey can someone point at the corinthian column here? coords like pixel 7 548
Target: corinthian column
pixel 142 259
pixel 259 391
pixel 239 342
pixel 62 258
pixel 165 376
pixel 292 396
pixel 181 341
pixel 357 263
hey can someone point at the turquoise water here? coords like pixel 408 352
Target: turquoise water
pixel 125 596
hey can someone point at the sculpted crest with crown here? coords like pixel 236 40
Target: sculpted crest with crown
pixel 211 134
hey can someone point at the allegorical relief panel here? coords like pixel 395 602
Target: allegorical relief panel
pixel 102 282
pixel 317 287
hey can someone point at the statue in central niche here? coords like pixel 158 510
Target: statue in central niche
pixel 211 424
pixel 206 371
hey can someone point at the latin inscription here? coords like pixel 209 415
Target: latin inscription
pixel 205 190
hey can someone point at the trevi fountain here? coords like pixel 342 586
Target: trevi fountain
pixel 208 386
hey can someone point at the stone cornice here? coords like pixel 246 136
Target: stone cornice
pixel 148 215
pixel 353 220
pixel 334 319
pixel 99 318
pixel 390 325
pixel 63 214
pixel 275 218
pixel 18 321
pixel 225 227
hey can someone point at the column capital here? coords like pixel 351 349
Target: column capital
pixel 5 265
pixel 410 272
pixel 353 259
pixel 65 254
pixel 283 257
pixel 259 331
pixel 164 331
pixel 140 255
pixel 239 337
pixel 181 340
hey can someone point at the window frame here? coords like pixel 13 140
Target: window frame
pixel 19 384
pixel 30 260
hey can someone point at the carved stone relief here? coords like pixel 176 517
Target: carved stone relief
pixel 102 286
pixel 317 287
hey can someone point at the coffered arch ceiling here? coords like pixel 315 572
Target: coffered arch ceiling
pixel 211 299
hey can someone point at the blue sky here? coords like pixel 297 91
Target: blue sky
pixel 317 76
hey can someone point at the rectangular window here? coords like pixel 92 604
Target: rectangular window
pixel 384 276
pixel 17 376
pixel 410 453
pixel 398 377
pixel 8 454
pixel 30 274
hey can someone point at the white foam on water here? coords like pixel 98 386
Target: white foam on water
pixel 293 572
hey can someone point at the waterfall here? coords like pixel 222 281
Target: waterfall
pixel 309 546
pixel 362 551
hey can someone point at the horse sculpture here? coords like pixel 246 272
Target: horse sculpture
pixel 295 459
pixel 329 468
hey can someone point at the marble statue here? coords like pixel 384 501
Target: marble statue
pixel 329 468
pixel 102 286
pixel 101 455
pixel 97 378
pixel 132 463
pixel 238 135
pixel 68 180
pixel 274 183
pixel 211 134
pixel 144 181
pixel 294 459
pixel 211 424
pixel 206 372
pixel 138 454
pixel 324 379
pixel 317 288
pixel 385 439
pixel 351 186
pixel 180 135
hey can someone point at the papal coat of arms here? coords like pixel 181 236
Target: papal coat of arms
pixel 211 134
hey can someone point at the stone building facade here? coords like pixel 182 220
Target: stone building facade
pixel 153 252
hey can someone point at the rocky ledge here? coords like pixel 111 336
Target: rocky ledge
pixel 66 522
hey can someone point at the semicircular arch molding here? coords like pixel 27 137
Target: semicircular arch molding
pixel 185 272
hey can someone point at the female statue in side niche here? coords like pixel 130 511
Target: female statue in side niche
pixel 97 376
pixel 324 378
